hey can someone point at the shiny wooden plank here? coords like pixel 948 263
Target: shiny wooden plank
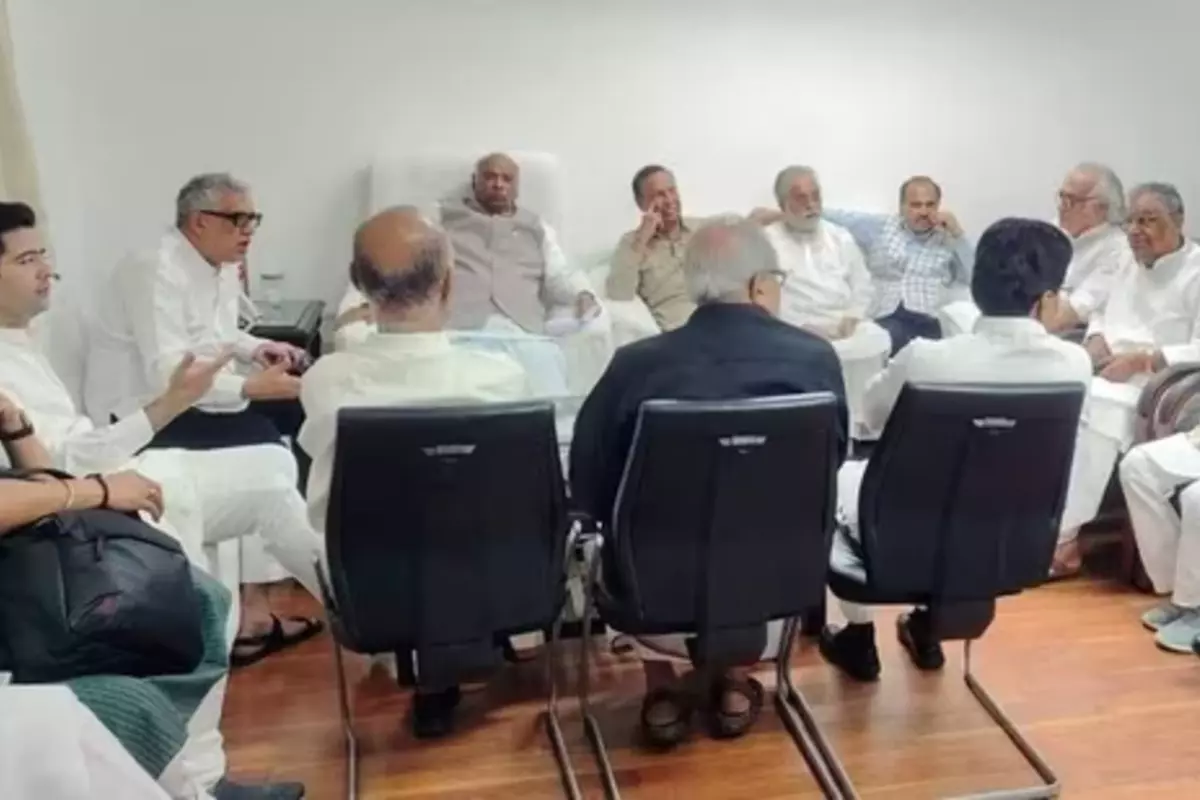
pixel 1116 717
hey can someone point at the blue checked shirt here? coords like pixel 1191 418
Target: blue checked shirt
pixel 911 268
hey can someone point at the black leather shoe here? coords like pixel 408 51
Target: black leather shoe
pixel 228 790
pixel 433 712
pixel 912 630
pixel 852 650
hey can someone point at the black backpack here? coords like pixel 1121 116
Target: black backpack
pixel 96 592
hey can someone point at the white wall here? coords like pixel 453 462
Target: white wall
pixel 128 98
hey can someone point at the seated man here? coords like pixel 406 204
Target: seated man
pixel 648 262
pixel 915 257
pixel 169 724
pixel 1018 272
pixel 1153 475
pixel 1149 323
pixel 732 347
pixel 828 288
pixel 513 285
pixel 1091 209
pixel 405 266
pixel 182 297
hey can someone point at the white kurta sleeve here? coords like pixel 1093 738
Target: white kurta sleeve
pixel 860 280
pixel 884 389
pixel 155 298
pixel 73 442
pixel 1091 295
pixel 563 282
pixel 83 448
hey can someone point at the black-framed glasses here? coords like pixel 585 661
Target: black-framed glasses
pixel 247 221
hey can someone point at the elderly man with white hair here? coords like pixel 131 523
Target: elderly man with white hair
pixel 515 290
pixel 179 296
pixel 731 347
pixel 828 288
pixel 1091 210
pixel 1150 321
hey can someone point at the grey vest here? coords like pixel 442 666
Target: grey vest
pixel 498 267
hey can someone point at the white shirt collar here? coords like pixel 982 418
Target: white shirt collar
pixel 1010 326
pixel 17 336
pixel 190 257
pixel 429 343
pixel 1092 235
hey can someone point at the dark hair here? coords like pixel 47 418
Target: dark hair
pixel 404 288
pixel 15 216
pixel 1016 262
pixel 937 190
pixel 640 177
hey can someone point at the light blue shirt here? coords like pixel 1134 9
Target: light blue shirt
pixel 916 269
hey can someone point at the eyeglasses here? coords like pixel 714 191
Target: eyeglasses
pixel 245 221
pixel 1068 200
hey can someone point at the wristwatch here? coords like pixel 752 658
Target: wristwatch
pixel 22 432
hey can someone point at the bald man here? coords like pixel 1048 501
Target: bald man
pixel 404 266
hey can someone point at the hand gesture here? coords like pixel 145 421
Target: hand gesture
pixel 131 491
pixel 192 378
pixel 272 383
pixel 585 305
pixel 1120 369
pixel 269 354
pixel 651 224
pixel 949 223
pixel 11 418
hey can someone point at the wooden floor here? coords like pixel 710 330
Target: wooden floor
pixel 1116 717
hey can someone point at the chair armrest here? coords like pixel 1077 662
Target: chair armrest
pixel 1159 383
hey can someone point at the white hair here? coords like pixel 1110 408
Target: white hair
pixel 723 257
pixel 203 193
pixel 1165 192
pixel 1112 192
pixel 789 175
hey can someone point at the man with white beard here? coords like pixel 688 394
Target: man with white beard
pixel 828 288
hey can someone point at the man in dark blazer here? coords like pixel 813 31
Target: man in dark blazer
pixel 732 347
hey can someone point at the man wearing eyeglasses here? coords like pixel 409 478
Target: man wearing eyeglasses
pixel 1091 210
pixel 181 296
pixel 1150 321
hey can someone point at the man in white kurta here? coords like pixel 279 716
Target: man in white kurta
pixel 181 296
pixel 1155 476
pixel 1018 271
pixel 201 499
pixel 1091 210
pixel 404 264
pixel 1150 321
pixel 828 288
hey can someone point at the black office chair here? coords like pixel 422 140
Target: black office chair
pixel 446 532
pixel 960 504
pixel 723 521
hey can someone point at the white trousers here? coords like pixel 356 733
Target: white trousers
pixel 215 495
pixel 53 747
pixel 1168 542
pixel 673 646
pixel 863 356
pixel 201 761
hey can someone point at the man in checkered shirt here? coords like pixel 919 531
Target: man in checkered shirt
pixel 916 258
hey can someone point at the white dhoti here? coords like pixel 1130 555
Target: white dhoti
pixel 1168 541
pixel 230 493
pixel 673 646
pixel 1106 431
pixel 863 355
pixel 53 747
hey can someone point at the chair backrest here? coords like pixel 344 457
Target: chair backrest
pixel 963 495
pixel 725 513
pixel 446 525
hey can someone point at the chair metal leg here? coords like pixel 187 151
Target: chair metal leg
pixel 347 723
pixel 798 718
pixel 1051 786
pixel 591 727
pixel 553 724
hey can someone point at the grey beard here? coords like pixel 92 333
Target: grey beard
pixel 801 225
